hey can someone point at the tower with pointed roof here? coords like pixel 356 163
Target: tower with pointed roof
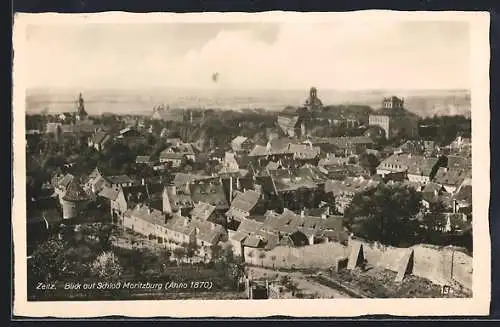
pixel 74 200
pixel 81 114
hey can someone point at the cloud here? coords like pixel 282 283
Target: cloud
pixel 343 55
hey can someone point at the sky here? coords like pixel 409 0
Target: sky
pixel 342 55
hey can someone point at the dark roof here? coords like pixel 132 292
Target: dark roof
pixel 74 192
pixel 245 201
pixel 209 192
pixel 451 177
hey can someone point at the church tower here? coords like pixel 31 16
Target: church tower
pixel 81 114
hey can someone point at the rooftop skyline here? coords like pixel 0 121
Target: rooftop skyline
pixel 337 55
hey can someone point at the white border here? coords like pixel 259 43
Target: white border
pixel 478 305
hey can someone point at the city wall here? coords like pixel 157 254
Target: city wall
pixel 437 264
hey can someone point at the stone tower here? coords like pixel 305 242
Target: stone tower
pixel 81 114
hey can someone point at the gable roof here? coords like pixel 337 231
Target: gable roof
pixel 451 177
pixel 245 202
pixel 238 141
pixel 110 193
pixel 412 164
pixel 202 210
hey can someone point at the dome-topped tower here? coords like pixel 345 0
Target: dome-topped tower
pixel 313 102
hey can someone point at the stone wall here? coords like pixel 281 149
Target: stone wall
pixel 441 265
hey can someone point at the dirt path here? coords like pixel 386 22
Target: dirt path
pixel 303 283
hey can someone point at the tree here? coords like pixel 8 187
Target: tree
pixel 106 266
pixel 262 255
pixel 273 258
pixel 385 213
pixel 228 253
pixel 191 249
pixel 48 262
pixel 179 253
pixel 250 255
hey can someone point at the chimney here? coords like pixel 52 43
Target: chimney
pixel 230 189
pixel 302 213
pixel 143 182
pixel 173 189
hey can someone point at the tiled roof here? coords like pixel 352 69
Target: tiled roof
pixel 349 185
pixel 181 179
pixel 100 137
pixel 181 225
pixel 74 192
pixel 238 141
pixel 464 194
pixel 249 226
pixel 208 232
pixel 166 154
pixel 252 241
pixel 209 192
pixel 293 179
pixel 286 122
pixel 148 214
pixel 110 193
pixel 412 164
pixel 202 210
pixel 239 236
pixel 451 177
pixel 245 201
pixel 64 181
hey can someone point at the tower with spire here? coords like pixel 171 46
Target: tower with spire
pixel 81 114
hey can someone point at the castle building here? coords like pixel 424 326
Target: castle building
pixel 394 119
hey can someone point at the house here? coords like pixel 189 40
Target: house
pixel 394 119
pixel 174 159
pixel 146 221
pixel 462 199
pixel 95 181
pixel 416 168
pixel 123 198
pixel 180 230
pixel 119 180
pixel 61 183
pixel 177 199
pixel 209 191
pixel 208 234
pixel 343 146
pixel 345 190
pixel 99 140
pixel 203 211
pixel 242 144
pixel 143 160
pixel 181 179
pixel 291 126
pixel 243 205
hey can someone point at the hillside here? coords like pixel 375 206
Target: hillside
pixel 423 103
